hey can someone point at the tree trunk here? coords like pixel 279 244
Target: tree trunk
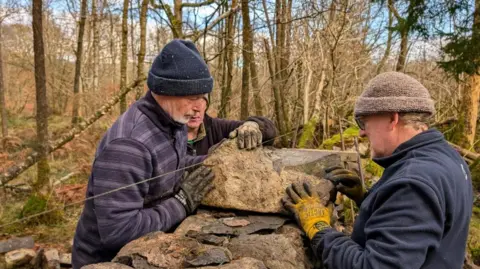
pixel 43 168
pixel 95 45
pixel 113 49
pixel 227 91
pixel 2 89
pixel 309 128
pixel 143 44
pixel 78 62
pixel 402 57
pixel 177 21
pixel 254 74
pixel 306 95
pixel 247 60
pixel 471 94
pixel 124 56
pixel 276 94
pixel 132 41
pixel 388 47
pixel 281 53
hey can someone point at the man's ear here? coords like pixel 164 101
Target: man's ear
pixel 394 120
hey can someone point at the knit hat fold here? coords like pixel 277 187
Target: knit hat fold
pixel 394 92
pixel 179 70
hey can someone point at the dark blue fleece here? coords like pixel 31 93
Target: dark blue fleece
pixel 416 216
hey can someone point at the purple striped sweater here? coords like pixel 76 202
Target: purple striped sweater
pixel 143 143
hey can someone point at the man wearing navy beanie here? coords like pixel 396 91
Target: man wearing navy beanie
pixel 149 141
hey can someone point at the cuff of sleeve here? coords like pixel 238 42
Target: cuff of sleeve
pixel 177 213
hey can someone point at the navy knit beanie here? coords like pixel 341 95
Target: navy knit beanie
pixel 179 70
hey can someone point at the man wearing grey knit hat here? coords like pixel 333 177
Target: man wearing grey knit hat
pixel 417 215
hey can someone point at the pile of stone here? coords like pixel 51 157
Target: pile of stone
pixel 242 223
pixel 20 253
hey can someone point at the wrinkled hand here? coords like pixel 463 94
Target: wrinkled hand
pixel 248 135
pixel 346 182
pixel 194 186
pixel 309 211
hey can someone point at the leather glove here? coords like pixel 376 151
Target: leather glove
pixel 248 135
pixel 346 182
pixel 309 211
pixel 194 186
pixel 215 147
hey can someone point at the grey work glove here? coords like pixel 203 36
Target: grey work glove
pixel 194 186
pixel 346 182
pixel 248 135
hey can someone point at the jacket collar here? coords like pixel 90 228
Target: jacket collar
pixel 202 133
pixel 149 106
pixel 425 138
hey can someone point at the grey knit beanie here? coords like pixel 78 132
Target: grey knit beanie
pixel 394 92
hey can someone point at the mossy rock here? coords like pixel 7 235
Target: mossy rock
pixel 336 140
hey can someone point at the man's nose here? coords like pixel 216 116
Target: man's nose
pixel 362 133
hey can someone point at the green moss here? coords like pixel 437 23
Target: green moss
pixel 336 140
pixel 308 134
pixel 37 204
pixel 372 168
pixel 475 171
pixel 473 242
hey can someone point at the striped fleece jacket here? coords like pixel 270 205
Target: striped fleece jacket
pixel 143 143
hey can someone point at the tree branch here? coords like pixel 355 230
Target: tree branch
pixel 160 6
pixel 205 3
pixel 196 35
pixel 394 10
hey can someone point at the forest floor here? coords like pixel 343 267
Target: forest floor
pixel 72 163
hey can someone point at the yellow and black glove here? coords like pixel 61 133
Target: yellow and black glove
pixel 307 207
pixel 346 182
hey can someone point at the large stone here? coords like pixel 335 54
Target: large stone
pixel 106 265
pixel 276 251
pixel 243 263
pixel 207 224
pixel 66 259
pixel 157 250
pixel 195 223
pixel 16 243
pixel 19 257
pixel 256 180
pixel 202 256
pixel 161 250
pixel 51 259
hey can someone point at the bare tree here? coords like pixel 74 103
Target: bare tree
pixel 247 60
pixel 229 58
pixel 43 169
pixel 124 55
pixel 7 9
pixel 95 44
pixel 472 93
pixel 78 62
pixel 143 44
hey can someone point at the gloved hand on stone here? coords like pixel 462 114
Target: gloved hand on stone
pixel 248 135
pixel 307 207
pixel 194 186
pixel 346 182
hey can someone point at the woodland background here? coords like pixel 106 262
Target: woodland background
pixel 69 68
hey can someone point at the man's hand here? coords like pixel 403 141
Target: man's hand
pixel 308 209
pixel 248 135
pixel 194 187
pixel 346 182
